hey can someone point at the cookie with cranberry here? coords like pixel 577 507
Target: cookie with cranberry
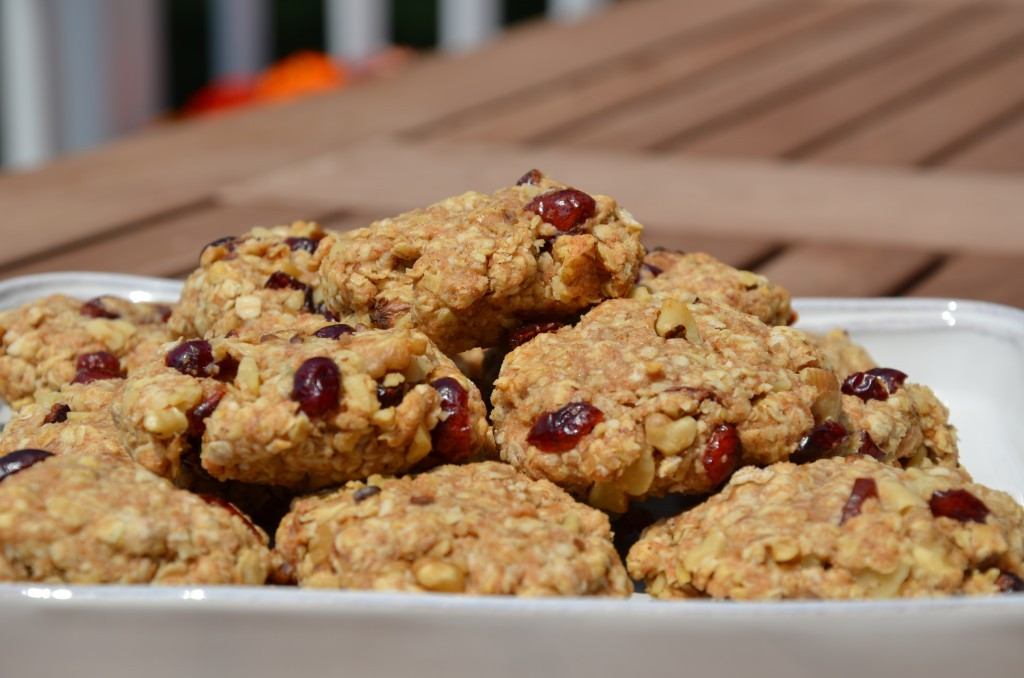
pixel 266 278
pixel 301 412
pixel 479 528
pixel 837 529
pixel 74 420
pixel 51 342
pixel 97 518
pixel 701 275
pixel 467 269
pixel 645 397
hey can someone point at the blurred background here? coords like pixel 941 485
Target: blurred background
pixel 839 147
pixel 78 72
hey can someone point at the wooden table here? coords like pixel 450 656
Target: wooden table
pixel 841 147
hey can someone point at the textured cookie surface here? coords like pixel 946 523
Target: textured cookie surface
pixel 42 341
pixel 266 278
pixel 94 518
pixel 301 412
pixel 468 268
pixel 701 275
pixel 479 528
pixel 650 396
pixel 840 529
pixel 74 420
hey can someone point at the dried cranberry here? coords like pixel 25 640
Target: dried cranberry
pixel 819 441
pixel 559 431
pixel 227 368
pixel 865 386
pixel 198 414
pixel 334 331
pixel 163 311
pixel 863 489
pixel 280 280
pixel 957 504
pixel 892 379
pixel 876 384
pixel 94 309
pixel 525 333
pixel 565 209
pixel 317 384
pixel 722 453
pixel 20 460
pixel 391 396
pixel 214 500
pixel 1008 582
pixel 304 244
pixel 869 448
pixel 364 493
pixel 58 414
pixel 452 438
pixel 102 361
pixel 191 357
pixel 534 177
pixel 89 376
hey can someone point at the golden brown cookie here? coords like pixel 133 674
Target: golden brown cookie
pixel 301 412
pixel 467 269
pixel 701 275
pixel 837 528
pixel 644 397
pixel 48 343
pixel 479 528
pixel 97 518
pixel 265 279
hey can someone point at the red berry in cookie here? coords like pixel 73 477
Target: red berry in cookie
pixel 94 309
pixel 452 438
pixel 304 244
pixel 191 357
pixel 523 334
pixel 334 331
pixel 565 209
pixel 58 414
pixel 819 441
pixel 317 384
pixel 20 460
pixel 559 431
pixel 532 177
pixel 863 489
pixel 959 505
pixel 722 453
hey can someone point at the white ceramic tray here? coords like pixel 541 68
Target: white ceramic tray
pixel 971 353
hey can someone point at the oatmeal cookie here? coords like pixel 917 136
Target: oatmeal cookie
pixel 301 412
pixel 701 275
pixel 43 344
pixel 650 396
pixel 74 420
pixel 479 528
pixel 837 528
pixel 97 518
pixel 843 355
pixel 468 268
pixel 266 278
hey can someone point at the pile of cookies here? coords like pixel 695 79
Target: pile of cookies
pixel 456 399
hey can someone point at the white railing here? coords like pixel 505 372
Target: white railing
pixel 74 73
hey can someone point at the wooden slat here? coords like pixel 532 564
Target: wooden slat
pixel 791 128
pixel 847 271
pixel 164 247
pixel 176 166
pixel 916 133
pixel 532 117
pixel 730 198
pixel 1003 150
pixel 791 68
pixel 989 278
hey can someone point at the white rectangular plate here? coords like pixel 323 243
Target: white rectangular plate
pixel 971 353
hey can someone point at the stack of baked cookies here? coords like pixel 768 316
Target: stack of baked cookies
pixel 325 388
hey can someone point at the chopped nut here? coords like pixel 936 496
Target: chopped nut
pixel 439 576
pixel 674 319
pixel 667 436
